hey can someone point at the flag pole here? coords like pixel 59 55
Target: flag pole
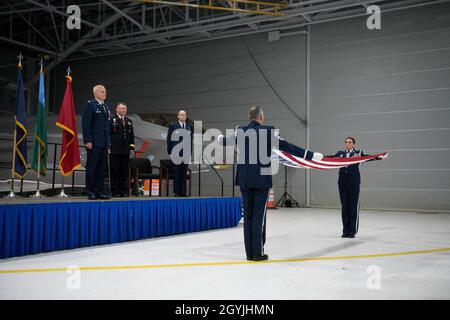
pixel 38 194
pixel 11 194
pixel 62 194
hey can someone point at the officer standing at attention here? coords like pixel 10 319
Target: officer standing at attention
pixel 349 184
pixel 179 169
pixel 97 141
pixel 122 137
pixel 254 176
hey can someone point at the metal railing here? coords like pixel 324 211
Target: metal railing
pixel 220 177
pixel 54 168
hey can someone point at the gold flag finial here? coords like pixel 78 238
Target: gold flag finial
pixel 42 66
pixel 69 71
pixel 20 57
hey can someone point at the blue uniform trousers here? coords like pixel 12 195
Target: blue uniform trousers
pixel 179 178
pixel 255 206
pixel 349 195
pixel 95 170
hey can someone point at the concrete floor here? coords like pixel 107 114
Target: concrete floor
pixel 212 265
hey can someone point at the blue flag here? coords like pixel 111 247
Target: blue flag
pixel 20 164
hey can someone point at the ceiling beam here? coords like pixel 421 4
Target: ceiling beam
pixel 56 30
pixel 33 27
pixel 80 43
pixel 188 29
pixel 29 46
pixel 123 14
pixel 196 28
pixel 50 8
pixel 277 25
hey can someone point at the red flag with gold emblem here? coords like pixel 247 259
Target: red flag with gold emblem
pixel 67 121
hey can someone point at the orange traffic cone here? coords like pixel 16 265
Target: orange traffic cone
pixel 271 200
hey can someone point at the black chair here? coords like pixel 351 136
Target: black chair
pixel 167 174
pixel 141 168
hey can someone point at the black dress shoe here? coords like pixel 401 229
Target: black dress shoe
pixel 103 196
pixel 92 197
pixel 261 258
pixel 351 236
pixel 345 235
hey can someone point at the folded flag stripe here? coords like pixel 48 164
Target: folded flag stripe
pixel 326 163
pixel 300 162
pixel 328 160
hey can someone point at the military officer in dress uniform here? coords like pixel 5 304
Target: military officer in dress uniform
pixel 174 137
pixel 254 175
pixel 122 137
pixel 349 185
pixel 97 141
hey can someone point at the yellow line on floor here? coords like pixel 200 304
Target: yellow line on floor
pixel 226 263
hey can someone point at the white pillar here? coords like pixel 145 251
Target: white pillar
pixel 308 113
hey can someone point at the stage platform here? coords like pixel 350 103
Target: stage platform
pixel 31 226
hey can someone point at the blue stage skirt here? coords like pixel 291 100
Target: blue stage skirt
pixel 44 227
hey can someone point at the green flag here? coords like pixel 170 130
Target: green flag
pixel 40 132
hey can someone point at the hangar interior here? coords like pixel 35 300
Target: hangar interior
pixel 319 73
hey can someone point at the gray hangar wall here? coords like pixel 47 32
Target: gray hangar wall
pixel 388 88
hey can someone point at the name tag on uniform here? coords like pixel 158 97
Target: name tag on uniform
pixel 98 111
